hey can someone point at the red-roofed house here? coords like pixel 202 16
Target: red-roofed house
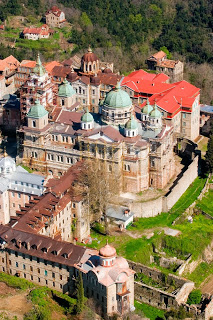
pixel 55 17
pixel 8 68
pixel 37 33
pixel 160 63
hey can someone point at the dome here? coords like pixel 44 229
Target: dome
pixel 95 80
pixel 37 111
pixel 107 70
pixel 155 113
pixel 72 75
pixel 118 98
pixel 87 117
pixel 122 263
pixel 7 164
pixel 107 251
pixel 89 56
pixel 66 90
pixel 131 124
pixel 148 108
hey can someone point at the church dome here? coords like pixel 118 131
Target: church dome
pixel 66 90
pixel 37 111
pixel 148 108
pixel 107 251
pixel 89 56
pixel 7 164
pixel 117 98
pixel 155 113
pixel 131 124
pixel 87 117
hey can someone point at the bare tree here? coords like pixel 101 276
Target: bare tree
pixel 97 185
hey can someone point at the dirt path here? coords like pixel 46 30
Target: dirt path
pixel 13 302
pixel 207 287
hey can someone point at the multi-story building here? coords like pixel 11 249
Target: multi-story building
pixel 17 188
pixel 160 63
pixel 24 70
pixel 179 102
pixel 33 33
pixel 8 68
pixel 107 279
pixel 140 150
pixel 38 86
pixel 55 17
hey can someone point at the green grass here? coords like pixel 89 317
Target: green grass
pixel 206 204
pixel 150 312
pixel 26 168
pixel 202 271
pixel 15 282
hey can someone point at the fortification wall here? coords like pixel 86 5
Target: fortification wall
pixel 154 207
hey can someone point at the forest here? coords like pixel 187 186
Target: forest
pixel 127 31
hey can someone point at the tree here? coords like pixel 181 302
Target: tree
pixel 194 297
pixel 209 154
pixel 97 185
pixel 164 49
pixel 79 294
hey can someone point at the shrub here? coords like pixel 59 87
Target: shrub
pixel 194 297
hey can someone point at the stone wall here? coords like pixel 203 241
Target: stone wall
pixel 182 184
pixel 154 207
pixel 157 297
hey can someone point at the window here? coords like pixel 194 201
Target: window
pixel 33 138
pixel 13 194
pixel 73 205
pixel 45 272
pixel 19 195
pixel 16 264
pixel 38 270
pixel 31 277
pixel 53 284
pixel 53 274
pixel 152 163
pixel 127 167
pixel 34 123
pixel 31 268
pixel 184 116
pixel 62 102
pixel 60 276
pixel 24 267
pixel 184 123
pixel 39 280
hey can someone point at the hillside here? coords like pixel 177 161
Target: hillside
pixel 125 32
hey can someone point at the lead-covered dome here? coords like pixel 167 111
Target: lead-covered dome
pixel 155 113
pixel 65 89
pixel 148 108
pixel 117 98
pixel 37 111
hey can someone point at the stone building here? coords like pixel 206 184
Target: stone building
pixel 8 68
pixel 140 150
pixel 179 103
pixel 33 33
pixel 55 17
pixel 160 63
pixel 38 86
pixel 24 70
pixel 17 188
pixel 107 279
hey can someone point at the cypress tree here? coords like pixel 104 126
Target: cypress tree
pixel 80 294
pixel 209 154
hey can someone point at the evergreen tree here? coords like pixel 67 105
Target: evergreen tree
pixel 80 294
pixel 209 154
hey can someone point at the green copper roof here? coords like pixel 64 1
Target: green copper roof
pixel 39 69
pixel 148 108
pixel 37 111
pixel 87 117
pixel 117 98
pixel 65 89
pixel 132 124
pixel 155 113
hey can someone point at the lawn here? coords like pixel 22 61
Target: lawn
pixel 193 238
pixel 206 204
pixel 202 271
pixel 148 311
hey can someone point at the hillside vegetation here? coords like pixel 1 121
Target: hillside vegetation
pixel 128 31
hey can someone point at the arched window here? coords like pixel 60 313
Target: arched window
pixel 90 67
pixel 79 90
pixel 34 123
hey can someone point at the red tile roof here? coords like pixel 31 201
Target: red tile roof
pixel 50 65
pixel 54 10
pixel 181 94
pixel 28 64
